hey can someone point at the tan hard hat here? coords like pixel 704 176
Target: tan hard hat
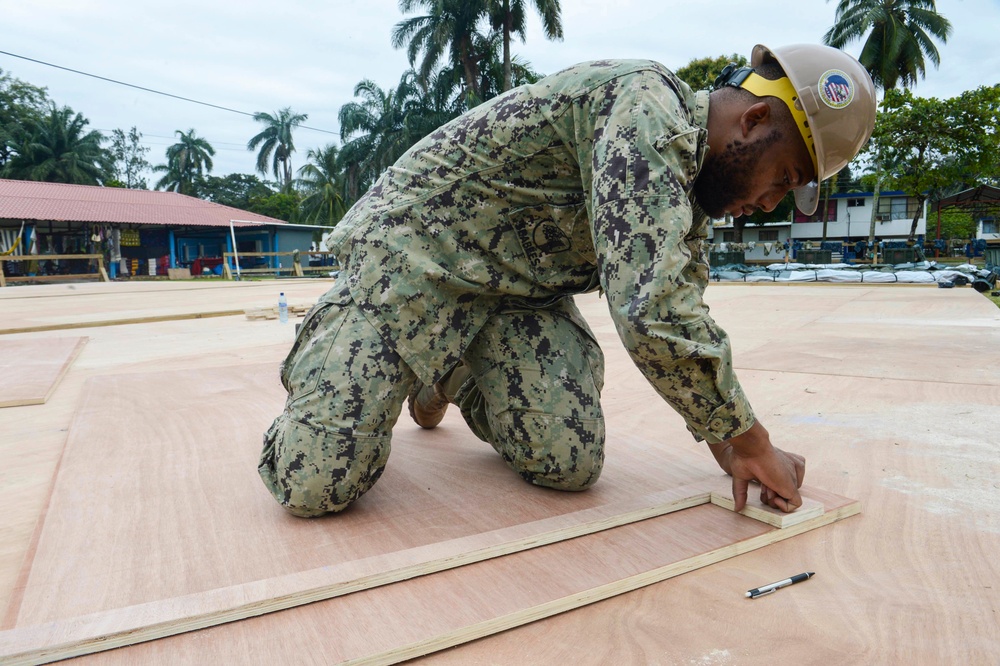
pixel 837 97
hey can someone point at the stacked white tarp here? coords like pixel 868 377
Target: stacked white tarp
pixel 837 275
pixel 914 277
pixel 876 277
pixel 919 273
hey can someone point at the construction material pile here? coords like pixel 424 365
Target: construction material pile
pixel 925 272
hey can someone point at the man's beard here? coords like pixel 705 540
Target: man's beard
pixel 728 176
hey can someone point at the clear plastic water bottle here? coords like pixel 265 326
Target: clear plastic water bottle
pixel 282 308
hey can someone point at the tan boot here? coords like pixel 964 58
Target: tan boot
pixel 427 405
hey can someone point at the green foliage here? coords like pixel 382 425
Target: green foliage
pixel 379 128
pixel 955 224
pixel 508 17
pixel 929 146
pixel 445 35
pixel 280 205
pixel 276 144
pixel 236 190
pixel 469 42
pixel 701 73
pixel 57 148
pixel 188 161
pixel 129 158
pixel 20 104
pixel 899 37
pixel 323 185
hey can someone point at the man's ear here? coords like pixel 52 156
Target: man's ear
pixel 757 114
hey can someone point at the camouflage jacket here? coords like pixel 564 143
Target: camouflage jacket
pixel 578 182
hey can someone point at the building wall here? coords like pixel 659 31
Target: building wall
pixel 774 234
pixel 289 240
pixel 854 221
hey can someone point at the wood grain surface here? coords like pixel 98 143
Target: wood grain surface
pixel 30 370
pixel 906 423
pixel 162 466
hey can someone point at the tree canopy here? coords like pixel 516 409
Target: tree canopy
pixel 900 37
pixel 188 161
pixel 58 148
pixel 932 146
pixel 276 143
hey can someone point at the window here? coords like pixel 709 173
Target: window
pixel 897 208
pixel 765 235
pixel 990 226
pixel 855 203
pixel 728 236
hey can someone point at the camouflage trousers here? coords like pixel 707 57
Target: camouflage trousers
pixel 529 385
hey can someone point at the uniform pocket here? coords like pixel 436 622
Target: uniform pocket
pixel 303 366
pixel 555 239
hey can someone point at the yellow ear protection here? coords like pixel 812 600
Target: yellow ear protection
pixel 745 77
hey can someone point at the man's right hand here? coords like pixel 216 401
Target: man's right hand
pixel 751 457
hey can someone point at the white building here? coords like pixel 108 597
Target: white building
pixel 849 221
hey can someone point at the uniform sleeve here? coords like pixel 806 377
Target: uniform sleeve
pixel 638 151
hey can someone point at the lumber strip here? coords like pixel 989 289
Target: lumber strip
pixel 126 626
pixel 65 326
pixel 754 509
pixel 144 622
pixel 32 369
pixel 448 629
pixel 602 592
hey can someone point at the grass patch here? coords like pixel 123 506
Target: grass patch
pixel 995 299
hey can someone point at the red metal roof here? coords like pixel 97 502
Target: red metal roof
pixel 29 200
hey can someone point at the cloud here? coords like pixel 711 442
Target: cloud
pixel 256 55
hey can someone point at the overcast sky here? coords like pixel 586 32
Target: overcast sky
pixel 254 55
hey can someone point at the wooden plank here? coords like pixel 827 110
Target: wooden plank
pixel 100 273
pixel 754 509
pixel 108 581
pixel 931 486
pixel 174 431
pixel 30 370
pixel 422 615
pixel 136 624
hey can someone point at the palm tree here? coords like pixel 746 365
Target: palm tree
pixel 276 140
pixel 449 27
pixel 899 37
pixel 322 182
pixel 57 148
pixel 188 161
pixel 493 70
pixel 377 130
pixel 508 16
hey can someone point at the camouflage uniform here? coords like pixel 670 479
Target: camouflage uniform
pixel 467 251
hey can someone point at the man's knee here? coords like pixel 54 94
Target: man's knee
pixel 551 451
pixel 311 472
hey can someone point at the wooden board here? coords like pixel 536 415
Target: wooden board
pixel 145 622
pixel 72 306
pixel 139 489
pixel 915 451
pixel 754 509
pixel 31 369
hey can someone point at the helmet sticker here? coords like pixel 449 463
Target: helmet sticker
pixel 836 89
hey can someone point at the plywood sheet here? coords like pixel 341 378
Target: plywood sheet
pixel 163 468
pixel 418 616
pixel 169 460
pixel 74 306
pixel 31 369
